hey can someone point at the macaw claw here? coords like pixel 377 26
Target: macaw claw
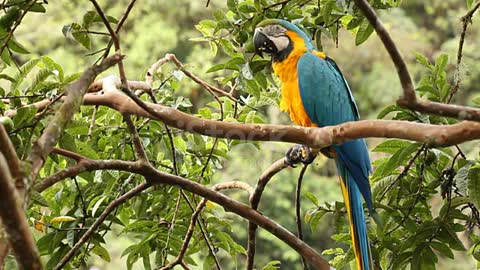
pixel 299 153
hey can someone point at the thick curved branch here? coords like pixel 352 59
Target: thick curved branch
pixel 15 223
pixel 432 135
pixel 74 95
pixel 409 99
pixel 400 65
pixel 154 176
pixel 87 165
pixel 108 210
pixel 6 147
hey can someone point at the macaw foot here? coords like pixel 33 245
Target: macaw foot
pixel 299 153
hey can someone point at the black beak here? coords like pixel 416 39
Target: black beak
pixel 260 41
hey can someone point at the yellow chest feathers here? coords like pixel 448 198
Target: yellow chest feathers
pixel 286 70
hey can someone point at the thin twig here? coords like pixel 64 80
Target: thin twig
pixel 196 214
pixel 116 41
pixel 254 201
pixel 82 200
pixel 137 144
pixel 402 174
pixel 112 206
pixel 92 123
pixel 170 229
pixel 466 20
pixel 298 218
pixel 69 154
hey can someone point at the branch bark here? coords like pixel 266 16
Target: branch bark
pixel 409 99
pixel 432 135
pixel 15 222
pixel 156 177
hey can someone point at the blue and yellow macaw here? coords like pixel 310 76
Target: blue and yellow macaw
pixel 315 93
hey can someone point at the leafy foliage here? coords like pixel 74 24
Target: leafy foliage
pixel 425 198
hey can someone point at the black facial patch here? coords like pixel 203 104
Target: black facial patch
pixel 263 44
pixel 278 57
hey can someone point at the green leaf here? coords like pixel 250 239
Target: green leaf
pixel 380 185
pixel 101 252
pixel 38 198
pixel 37 8
pixel 273 265
pixel 83 38
pixel 22 74
pixel 423 60
pixel 470 3
pixel 15 46
pixel 447 235
pixel 391 146
pixel 441 62
pixel 364 31
pixel 6 57
pixel 387 110
pixel 180 144
pixel 474 184
pixel 24 115
pixel 398 158
pixel 97 204
pixel 312 198
pixel 442 248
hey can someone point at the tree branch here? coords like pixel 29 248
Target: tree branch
pixel 432 135
pixel 112 206
pixel 137 144
pixel 15 223
pixel 196 214
pixel 155 177
pixel 409 99
pixel 254 201
pixel 298 217
pixel 467 19
pixel 75 92
pixel 8 150
pixel 402 70
pixel 171 57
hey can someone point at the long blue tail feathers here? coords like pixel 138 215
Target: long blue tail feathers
pixel 355 185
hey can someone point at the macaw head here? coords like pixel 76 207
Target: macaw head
pixel 276 37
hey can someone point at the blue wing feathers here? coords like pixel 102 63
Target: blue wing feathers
pixel 327 100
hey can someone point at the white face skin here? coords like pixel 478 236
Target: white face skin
pixel 277 34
